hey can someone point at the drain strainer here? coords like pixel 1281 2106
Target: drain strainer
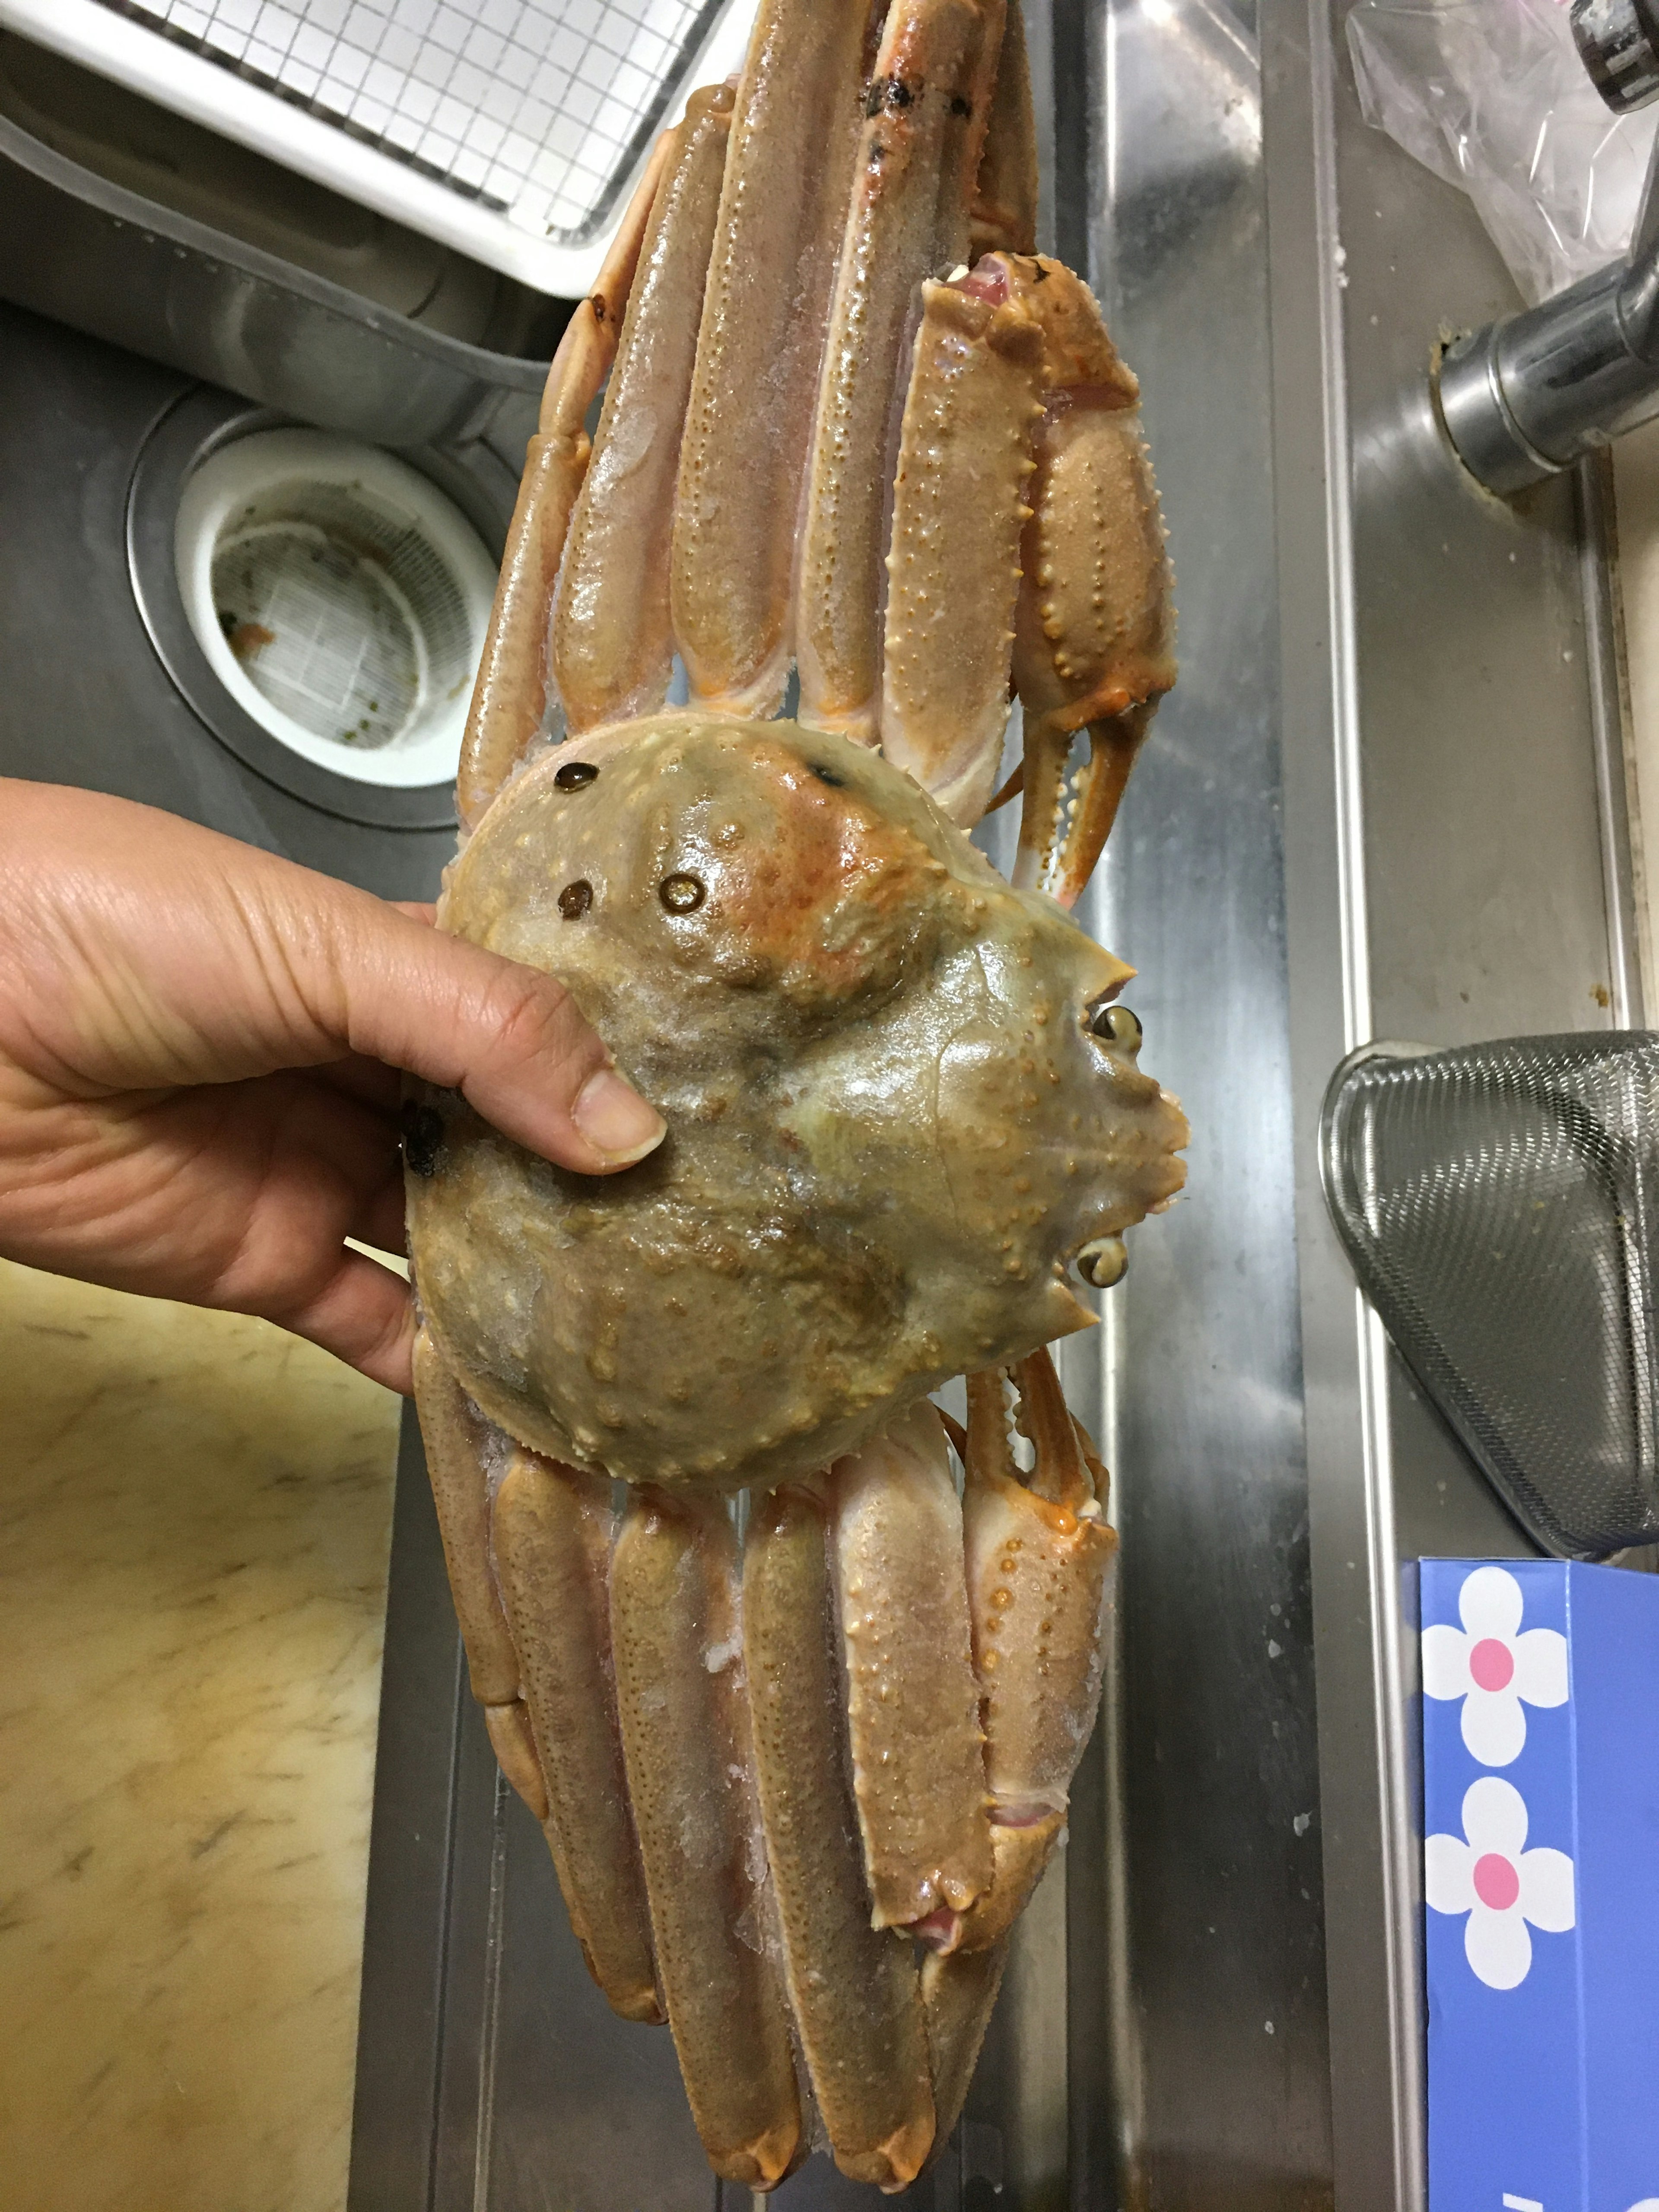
pixel 339 598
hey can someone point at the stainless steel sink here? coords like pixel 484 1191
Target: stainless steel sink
pixel 103 686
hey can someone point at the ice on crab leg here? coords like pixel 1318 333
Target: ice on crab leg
pixel 613 646
pixel 677 1648
pixel 920 119
pixel 553 1528
pixel 787 173
pixel 855 1988
pixel 509 699
pixel 912 1698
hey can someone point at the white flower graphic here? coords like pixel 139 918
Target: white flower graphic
pixel 1500 1885
pixel 1492 1666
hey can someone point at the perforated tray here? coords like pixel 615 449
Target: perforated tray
pixel 509 129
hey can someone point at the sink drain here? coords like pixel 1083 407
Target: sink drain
pixel 339 598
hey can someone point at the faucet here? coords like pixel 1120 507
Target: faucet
pixel 1533 393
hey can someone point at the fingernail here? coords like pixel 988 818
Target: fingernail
pixel 614 1118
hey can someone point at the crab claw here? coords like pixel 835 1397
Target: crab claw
pixel 1094 629
pixel 1038 1555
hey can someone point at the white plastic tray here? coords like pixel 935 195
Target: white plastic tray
pixel 510 130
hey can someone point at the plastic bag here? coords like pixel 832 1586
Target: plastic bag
pixel 1491 94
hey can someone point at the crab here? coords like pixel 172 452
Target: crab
pixel 799 1719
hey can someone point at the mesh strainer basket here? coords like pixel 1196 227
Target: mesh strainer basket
pixel 339 598
pixel 1499 1204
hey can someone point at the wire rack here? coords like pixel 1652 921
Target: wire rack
pixel 539 111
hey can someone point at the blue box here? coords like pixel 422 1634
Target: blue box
pixel 1541 1856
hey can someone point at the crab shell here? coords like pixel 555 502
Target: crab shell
pixel 888 1124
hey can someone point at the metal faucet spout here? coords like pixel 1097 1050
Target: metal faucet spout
pixel 1534 391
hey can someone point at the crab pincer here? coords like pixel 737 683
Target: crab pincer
pixel 1038 1558
pixel 1094 629
pixel 1020 414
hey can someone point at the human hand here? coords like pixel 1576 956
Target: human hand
pixel 200 1057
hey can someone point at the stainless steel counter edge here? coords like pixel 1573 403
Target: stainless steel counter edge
pixel 1341 490
pixel 107 261
pixel 1376 2068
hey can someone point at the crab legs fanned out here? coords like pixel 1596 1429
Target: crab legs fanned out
pixel 798 1784
pixel 825 440
pixel 742 1843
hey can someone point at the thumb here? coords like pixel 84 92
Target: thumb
pixel 510 1039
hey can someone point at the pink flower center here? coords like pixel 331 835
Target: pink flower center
pixel 1496 1881
pixel 1491 1664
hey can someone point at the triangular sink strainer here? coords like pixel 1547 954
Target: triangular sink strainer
pixel 1498 1203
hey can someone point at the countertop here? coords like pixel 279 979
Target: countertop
pixel 196 1513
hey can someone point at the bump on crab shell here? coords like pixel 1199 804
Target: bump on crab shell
pixel 889 1127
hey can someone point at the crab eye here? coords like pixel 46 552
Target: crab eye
pixel 682 894
pixel 1115 1024
pixel 576 899
pixel 574 774
pixel 1103 1262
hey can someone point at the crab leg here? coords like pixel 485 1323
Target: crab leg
pixel 854 1989
pixel 912 1698
pixel 919 117
pixel 959 1994
pixel 965 149
pixel 613 646
pixel 509 699
pixel 1095 627
pixel 552 1532
pixel 686 1740
pixel 1005 208
pixel 1038 1553
pixel 965 453
pixel 457 1438
pixel 793 137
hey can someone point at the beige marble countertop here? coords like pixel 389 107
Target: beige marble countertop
pixel 195 1512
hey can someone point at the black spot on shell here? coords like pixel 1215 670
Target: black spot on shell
pixel 575 774
pixel 422 1130
pixel 828 775
pixel 889 91
pixel 959 106
pixel 576 899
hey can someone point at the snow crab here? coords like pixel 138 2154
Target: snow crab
pixel 800 1721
